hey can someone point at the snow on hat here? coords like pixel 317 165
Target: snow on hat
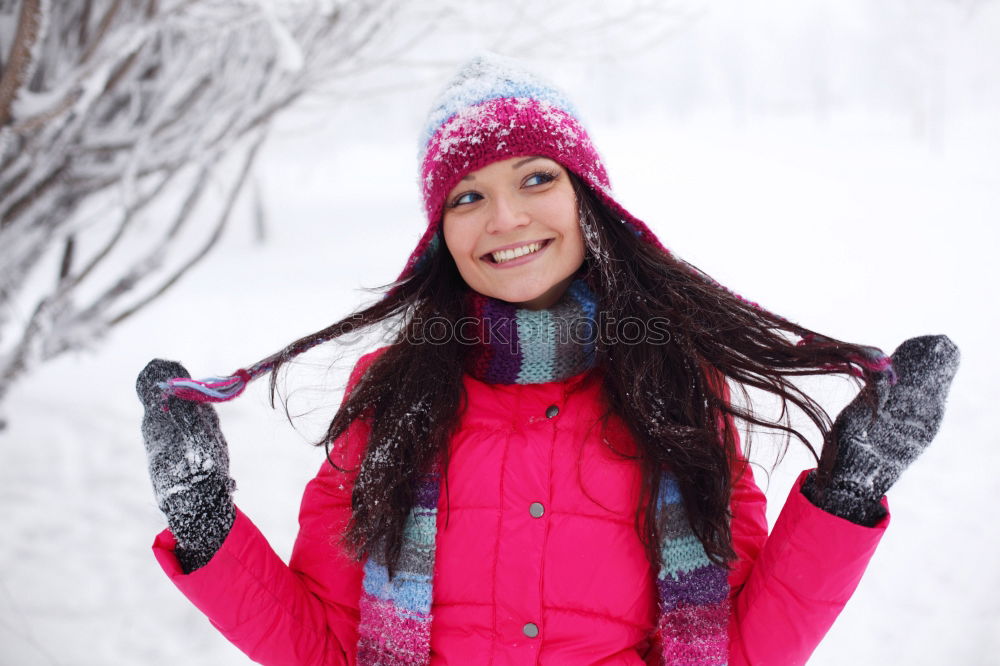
pixel 492 110
pixel 495 109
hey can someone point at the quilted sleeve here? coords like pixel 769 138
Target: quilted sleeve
pixel 305 612
pixel 807 570
pixel 789 587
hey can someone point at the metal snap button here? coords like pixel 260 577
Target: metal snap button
pixel 531 630
pixel 536 509
pixel 551 411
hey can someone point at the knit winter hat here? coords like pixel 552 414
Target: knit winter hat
pixel 495 109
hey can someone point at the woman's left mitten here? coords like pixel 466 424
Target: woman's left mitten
pixel 871 454
pixel 925 367
pixel 188 466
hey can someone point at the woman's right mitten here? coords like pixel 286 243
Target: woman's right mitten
pixel 188 465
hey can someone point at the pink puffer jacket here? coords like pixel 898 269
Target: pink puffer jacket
pixel 541 530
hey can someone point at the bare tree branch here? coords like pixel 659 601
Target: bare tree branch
pixel 18 66
pixel 102 29
pixel 220 226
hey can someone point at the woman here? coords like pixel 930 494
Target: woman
pixel 543 467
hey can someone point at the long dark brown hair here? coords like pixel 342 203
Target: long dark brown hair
pixel 668 395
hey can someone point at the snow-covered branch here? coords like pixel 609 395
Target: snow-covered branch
pixel 127 105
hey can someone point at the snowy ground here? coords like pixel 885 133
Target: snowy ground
pixel 849 227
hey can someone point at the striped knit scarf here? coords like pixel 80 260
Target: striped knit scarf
pixel 518 346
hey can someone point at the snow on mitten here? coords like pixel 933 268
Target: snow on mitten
pixel 873 452
pixel 188 465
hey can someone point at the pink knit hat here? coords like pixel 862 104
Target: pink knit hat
pixel 492 110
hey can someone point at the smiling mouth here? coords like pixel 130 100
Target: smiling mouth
pixel 503 256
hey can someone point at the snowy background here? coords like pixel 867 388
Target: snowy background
pixel 836 163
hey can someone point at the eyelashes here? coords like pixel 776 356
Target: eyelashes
pixel 548 176
pixel 545 176
pixel 457 201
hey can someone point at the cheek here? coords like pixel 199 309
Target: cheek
pixel 569 226
pixel 451 236
pixel 576 244
pixel 459 241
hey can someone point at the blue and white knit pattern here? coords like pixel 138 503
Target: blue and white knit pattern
pixel 485 77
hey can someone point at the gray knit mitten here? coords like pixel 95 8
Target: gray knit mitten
pixel 871 454
pixel 188 465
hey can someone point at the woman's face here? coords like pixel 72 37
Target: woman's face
pixel 514 231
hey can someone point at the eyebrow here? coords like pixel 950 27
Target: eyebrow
pixel 515 165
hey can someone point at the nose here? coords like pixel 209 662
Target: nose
pixel 506 214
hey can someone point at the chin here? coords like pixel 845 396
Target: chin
pixel 522 296
pixel 516 298
pixel 524 290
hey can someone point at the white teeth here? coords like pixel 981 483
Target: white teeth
pixel 507 255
